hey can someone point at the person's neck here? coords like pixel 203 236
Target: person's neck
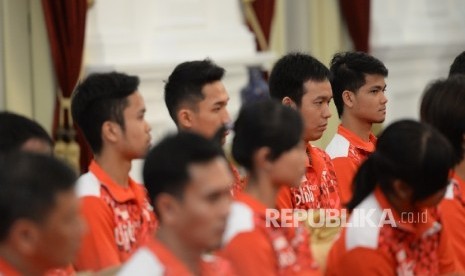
pixel 189 256
pixel 460 169
pixel 360 128
pixel 400 206
pixel 260 187
pixel 20 265
pixel 115 166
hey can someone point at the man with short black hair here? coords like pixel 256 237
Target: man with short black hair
pixel 110 111
pixel 358 81
pixel 189 181
pixel 40 226
pixel 196 100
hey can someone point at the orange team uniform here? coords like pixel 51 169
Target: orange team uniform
pixel 118 220
pixel 7 270
pixel 318 189
pixel 348 151
pixel 452 211
pixel 155 259
pixel 64 271
pixel 416 247
pixel 255 248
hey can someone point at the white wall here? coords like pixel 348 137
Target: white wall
pixel 417 40
pixel 17 57
pixel 26 74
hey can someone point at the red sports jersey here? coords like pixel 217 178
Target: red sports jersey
pixel 452 210
pixel 155 259
pixel 318 188
pixel 415 245
pixel 118 220
pixel 7 270
pixel 347 152
pixel 255 248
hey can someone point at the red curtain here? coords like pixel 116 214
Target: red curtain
pixel 357 16
pixel 264 9
pixel 65 21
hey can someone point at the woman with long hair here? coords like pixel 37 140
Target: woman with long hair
pixel 392 229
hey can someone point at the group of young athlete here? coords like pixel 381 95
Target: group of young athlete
pixel 398 199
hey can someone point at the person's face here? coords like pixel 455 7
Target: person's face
pixel 289 167
pixel 211 112
pixel 60 234
pixel 315 108
pixel 135 138
pixel 369 103
pixel 204 207
pixel 37 145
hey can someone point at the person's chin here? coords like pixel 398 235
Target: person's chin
pixel 315 137
pixel 380 120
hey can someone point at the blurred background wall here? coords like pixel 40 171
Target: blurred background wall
pixel 416 39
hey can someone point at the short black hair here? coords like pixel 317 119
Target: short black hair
pixel 443 106
pixel 166 167
pixel 290 72
pixel 29 185
pixel 348 71
pixel 458 66
pixel 265 123
pixel 99 98
pixel 15 130
pixel 185 84
pixel 406 150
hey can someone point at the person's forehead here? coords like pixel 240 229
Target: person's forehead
pixel 215 91
pixel 209 174
pixel 314 89
pixel 369 78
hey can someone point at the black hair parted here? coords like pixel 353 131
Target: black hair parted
pixel 348 70
pixel 185 84
pixel 443 106
pixel 29 185
pixel 166 167
pixel 99 98
pixel 290 72
pixel 15 130
pixel 265 123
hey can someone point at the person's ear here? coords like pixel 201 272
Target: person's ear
pixel 261 159
pixel 402 190
pixel 25 235
pixel 110 131
pixel 184 118
pixel 348 98
pixel 168 208
pixel 289 102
